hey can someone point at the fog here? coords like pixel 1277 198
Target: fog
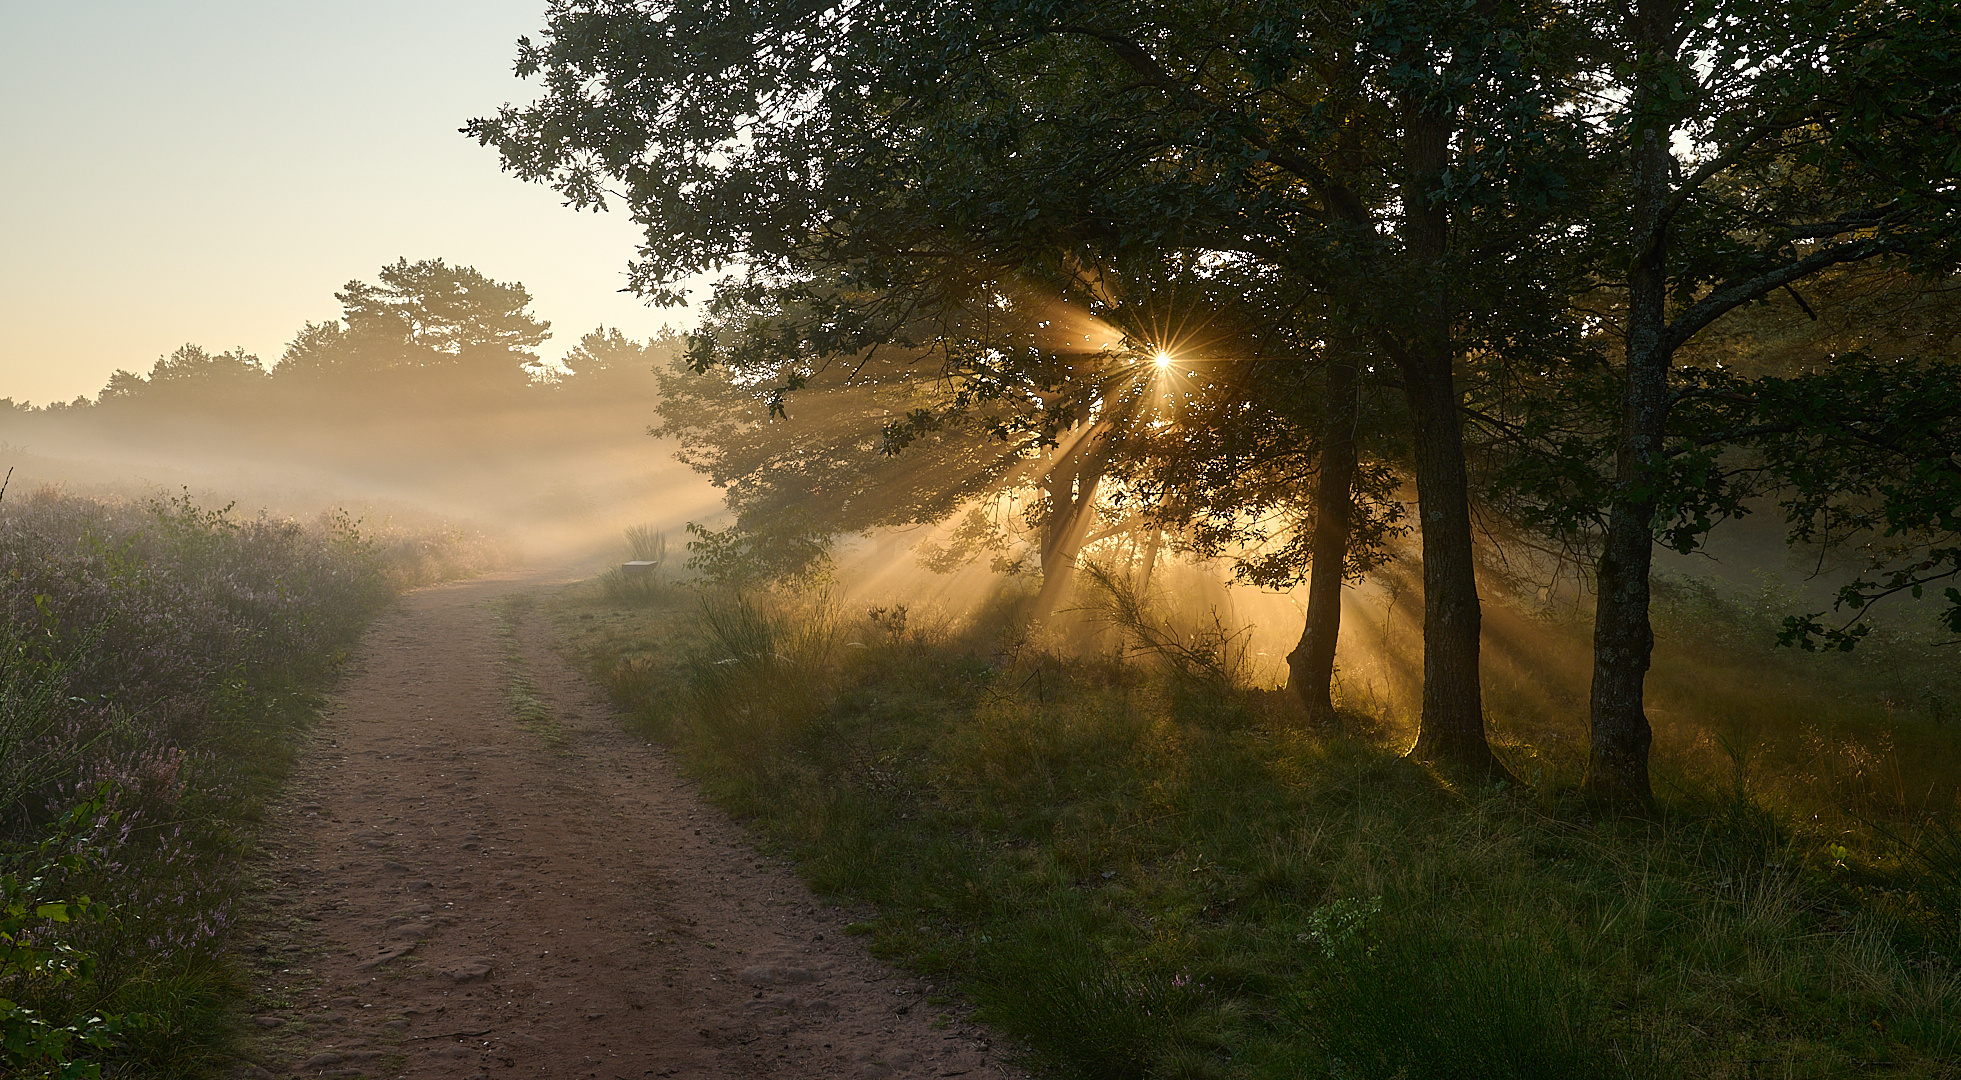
pixel 552 470
pixel 553 467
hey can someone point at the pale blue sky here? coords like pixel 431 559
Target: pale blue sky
pixel 211 171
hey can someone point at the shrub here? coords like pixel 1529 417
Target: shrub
pixel 36 964
pixel 156 653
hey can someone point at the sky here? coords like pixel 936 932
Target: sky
pixel 211 172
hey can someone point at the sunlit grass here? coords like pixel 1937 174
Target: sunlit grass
pixel 1143 870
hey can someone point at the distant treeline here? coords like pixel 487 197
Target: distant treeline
pixel 428 330
pixel 428 388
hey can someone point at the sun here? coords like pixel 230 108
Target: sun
pixel 1162 359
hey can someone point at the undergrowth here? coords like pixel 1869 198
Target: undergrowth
pixel 157 667
pixel 1144 870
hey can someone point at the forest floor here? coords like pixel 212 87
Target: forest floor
pixel 457 886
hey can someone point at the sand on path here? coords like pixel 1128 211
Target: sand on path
pixel 447 894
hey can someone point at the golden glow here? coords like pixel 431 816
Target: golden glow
pixel 1162 359
pixel 189 250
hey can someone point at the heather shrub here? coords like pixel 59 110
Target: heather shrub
pixel 154 665
pixel 423 556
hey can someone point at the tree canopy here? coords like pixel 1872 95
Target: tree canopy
pixel 1518 214
pixel 425 316
pixel 189 371
pixel 918 161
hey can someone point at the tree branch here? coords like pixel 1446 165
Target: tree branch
pixel 1729 297
pixel 1138 59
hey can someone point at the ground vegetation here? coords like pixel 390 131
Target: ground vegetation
pixel 1143 866
pixel 158 668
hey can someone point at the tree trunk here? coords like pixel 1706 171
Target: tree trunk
pixel 1623 639
pixel 1150 563
pixel 1311 666
pixel 1452 727
pixel 1071 490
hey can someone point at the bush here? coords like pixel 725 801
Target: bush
pixel 35 964
pixel 158 654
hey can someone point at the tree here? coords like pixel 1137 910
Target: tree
pixel 611 372
pixel 606 352
pixel 1383 154
pixel 1273 457
pixel 190 371
pixel 425 316
pixel 1820 133
pixel 1103 419
pixel 797 480
pixel 1867 454
pixel 1311 666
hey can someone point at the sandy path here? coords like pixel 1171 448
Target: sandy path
pixel 446 895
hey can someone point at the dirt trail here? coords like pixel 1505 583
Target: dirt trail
pixel 448 895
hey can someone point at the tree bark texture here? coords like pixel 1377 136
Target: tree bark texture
pixel 1311 666
pixel 1623 638
pixel 1452 727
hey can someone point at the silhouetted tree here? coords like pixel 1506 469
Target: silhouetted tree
pixel 188 372
pixel 1760 145
pixel 424 317
pixel 606 364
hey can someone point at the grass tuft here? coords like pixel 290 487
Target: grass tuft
pixel 533 712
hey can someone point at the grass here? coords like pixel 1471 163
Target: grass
pixel 1141 869
pixel 533 713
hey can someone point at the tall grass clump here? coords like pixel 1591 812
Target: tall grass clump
pixel 642 584
pixel 1141 866
pixel 646 544
pixel 155 666
pixel 760 681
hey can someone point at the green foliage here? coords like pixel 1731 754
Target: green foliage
pixel 1857 450
pixel 785 550
pixel 1867 454
pixel 797 479
pixel 36 962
